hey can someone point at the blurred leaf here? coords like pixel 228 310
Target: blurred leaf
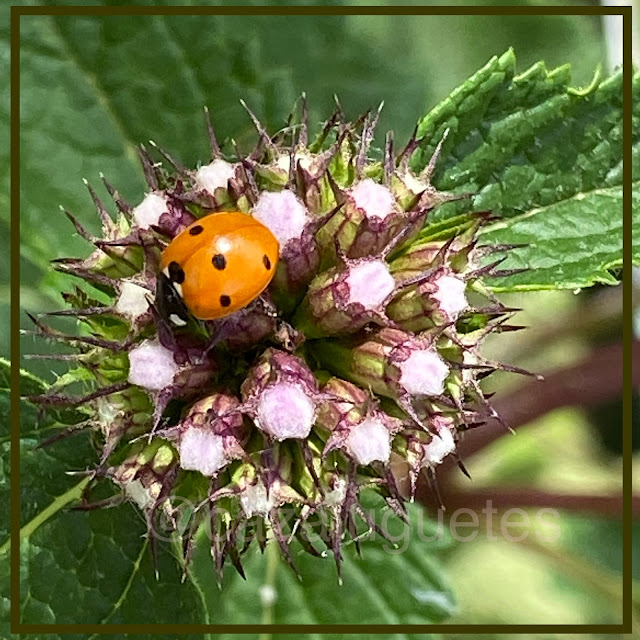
pixel 599 540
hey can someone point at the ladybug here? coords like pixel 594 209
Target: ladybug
pixel 217 265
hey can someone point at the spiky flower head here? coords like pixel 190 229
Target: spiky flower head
pixel 363 351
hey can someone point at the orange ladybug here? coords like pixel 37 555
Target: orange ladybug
pixel 217 265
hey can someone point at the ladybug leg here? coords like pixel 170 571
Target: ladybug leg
pixel 284 334
pixel 216 329
pixel 265 303
pixel 287 336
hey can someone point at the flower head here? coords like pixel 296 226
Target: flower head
pixel 365 349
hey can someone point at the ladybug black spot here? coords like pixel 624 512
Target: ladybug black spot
pixel 225 301
pixel 219 261
pixel 176 274
pixel 266 262
pixel 196 231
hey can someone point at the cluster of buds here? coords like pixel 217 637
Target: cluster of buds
pixel 364 349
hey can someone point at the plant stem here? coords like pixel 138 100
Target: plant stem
pixel 268 590
pixel 526 497
pixel 56 505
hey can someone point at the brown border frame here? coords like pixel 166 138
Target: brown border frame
pixel 18 11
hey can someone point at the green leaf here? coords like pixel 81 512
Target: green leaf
pixel 78 566
pixel 97 567
pixel 571 244
pixel 528 140
pixel 383 586
pixel 544 156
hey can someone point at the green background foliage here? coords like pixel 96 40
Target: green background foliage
pixel 93 88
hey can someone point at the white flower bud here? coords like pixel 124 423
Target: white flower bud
pixel 148 212
pixel 255 499
pixel 214 175
pixel 285 411
pixel 450 294
pixel 151 366
pixel 201 450
pixel 282 213
pixel 132 301
pixel 441 445
pixel 368 441
pixel 375 200
pixel 423 373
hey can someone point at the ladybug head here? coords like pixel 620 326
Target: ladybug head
pixel 169 303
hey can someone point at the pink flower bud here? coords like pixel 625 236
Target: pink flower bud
pixel 281 394
pixel 210 435
pixel 450 294
pixel 201 450
pixel 283 213
pixel 346 298
pixel 285 410
pixel 442 442
pixel 369 283
pixel 373 199
pixel 423 372
pixel 356 426
pixel 440 299
pixel 291 223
